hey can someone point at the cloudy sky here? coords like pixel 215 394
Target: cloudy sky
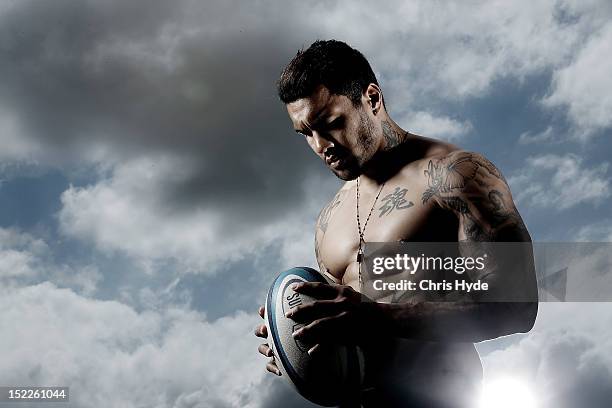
pixel 151 186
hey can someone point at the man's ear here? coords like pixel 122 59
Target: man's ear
pixel 374 98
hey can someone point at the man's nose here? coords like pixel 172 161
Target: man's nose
pixel 320 142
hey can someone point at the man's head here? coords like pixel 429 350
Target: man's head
pixel 333 98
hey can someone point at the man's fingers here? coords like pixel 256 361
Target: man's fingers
pixel 314 310
pixel 314 349
pixel 316 289
pixel 261 311
pixel 325 329
pixel 271 367
pixel 261 331
pixel 265 350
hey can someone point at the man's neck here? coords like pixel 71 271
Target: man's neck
pixel 393 135
pixel 399 147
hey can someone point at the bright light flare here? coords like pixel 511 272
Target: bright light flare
pixel 506 393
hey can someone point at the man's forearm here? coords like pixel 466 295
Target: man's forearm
pixel 452 321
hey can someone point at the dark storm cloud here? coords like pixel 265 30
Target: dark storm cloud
pixel 192 78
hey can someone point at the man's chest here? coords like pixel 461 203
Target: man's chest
pixel 397 214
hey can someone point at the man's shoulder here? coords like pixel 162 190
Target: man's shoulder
pixel 446 153
pixel 438 155
pixel 336 200
pixel 449 169
pixel 456 160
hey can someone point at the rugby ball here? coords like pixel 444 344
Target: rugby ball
pixel 333 374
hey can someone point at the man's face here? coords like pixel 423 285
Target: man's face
pixel 342 135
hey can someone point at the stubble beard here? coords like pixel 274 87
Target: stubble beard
pixel 364 146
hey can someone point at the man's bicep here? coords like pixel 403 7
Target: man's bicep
pixel 487 213
pixel 491 225
pixel 474 189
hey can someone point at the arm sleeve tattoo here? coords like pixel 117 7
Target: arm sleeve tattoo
pixel 470 186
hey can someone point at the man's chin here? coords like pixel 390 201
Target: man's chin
pixel 346 174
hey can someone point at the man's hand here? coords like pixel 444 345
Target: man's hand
pixel 340 315
pixel 262 331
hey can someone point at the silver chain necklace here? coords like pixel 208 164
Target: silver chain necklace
pixel 362 231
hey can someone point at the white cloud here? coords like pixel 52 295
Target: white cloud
pixel 564 360
pixel 600 231
pixel 20 254
pixel 84 279
pixel 25 258
pixel 110 355
pixel 530 138
pixel 584 87
pixel 440 127
pixel 129 212
pixel 460 48
pixel 560 182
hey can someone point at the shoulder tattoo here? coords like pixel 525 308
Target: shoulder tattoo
pixel 326 212
pixel 472 187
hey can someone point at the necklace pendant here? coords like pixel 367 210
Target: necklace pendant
pixel 359 256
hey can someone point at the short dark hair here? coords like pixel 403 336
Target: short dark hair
pixel 341 69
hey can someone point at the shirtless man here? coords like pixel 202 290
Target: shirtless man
pixel 416 353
